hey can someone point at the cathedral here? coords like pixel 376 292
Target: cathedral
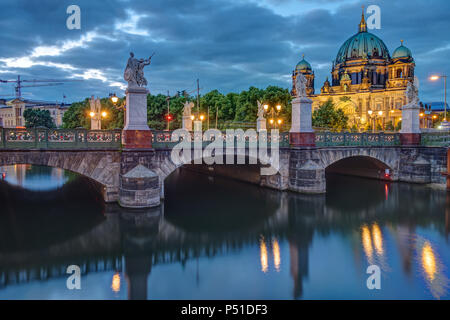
pixel 367 83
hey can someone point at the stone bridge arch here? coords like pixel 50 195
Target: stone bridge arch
pixel 100 166
pixel 383 157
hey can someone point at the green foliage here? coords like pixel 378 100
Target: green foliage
pixel 38 118
pixel 354 128
pixel 389 126
pixel 327 116
pixel 398 127
pixel 230 107
pixel 78 115
pixel 379 127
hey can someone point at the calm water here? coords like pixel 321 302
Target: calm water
pixel 220 239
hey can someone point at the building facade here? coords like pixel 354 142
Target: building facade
pixel 11 112
pixel 367 83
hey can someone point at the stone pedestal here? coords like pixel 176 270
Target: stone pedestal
pixel 410 132
pixel 302 133
pixel 198 125
pixel 136 133
pixel 187 123
pixel 261 124
pixel 139 188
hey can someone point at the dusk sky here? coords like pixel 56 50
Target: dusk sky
pixel 229 45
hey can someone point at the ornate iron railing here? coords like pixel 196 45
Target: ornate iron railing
pixel 163 139
pixel 325 139
pixel 42 138
pixel 437 139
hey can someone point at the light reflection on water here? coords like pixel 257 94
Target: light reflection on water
pixel 220 239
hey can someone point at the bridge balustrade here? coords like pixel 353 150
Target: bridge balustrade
pixel 436 139
pixel 163 139
pixel 42 138
pixel 335 139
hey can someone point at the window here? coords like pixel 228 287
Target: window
pixel 399 73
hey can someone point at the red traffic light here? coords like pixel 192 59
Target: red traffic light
pixel 169 117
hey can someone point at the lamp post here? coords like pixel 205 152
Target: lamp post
pixel 114 100
pixel 273 112
pixel 437 77
pixel 374 117
pixel 98 116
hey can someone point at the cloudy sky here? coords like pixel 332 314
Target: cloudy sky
pixel 229 45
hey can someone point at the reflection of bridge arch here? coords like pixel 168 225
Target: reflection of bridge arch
pixel 100 166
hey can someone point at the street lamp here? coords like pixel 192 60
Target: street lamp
pixel 98 117
pixel 114 98
pixel 435 78
pixel 374 117
pixel 273 112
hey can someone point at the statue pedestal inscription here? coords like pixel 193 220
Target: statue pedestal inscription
pixel 301 133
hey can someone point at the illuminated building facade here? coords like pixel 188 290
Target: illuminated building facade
pixel 367 83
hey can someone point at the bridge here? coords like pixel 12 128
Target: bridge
pixel 135 176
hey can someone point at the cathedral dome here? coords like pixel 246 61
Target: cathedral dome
pixel 402 52
pixel 362 45
pixel 303 65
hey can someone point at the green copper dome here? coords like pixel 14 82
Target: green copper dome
pixel 402 52
pixel 303 65
pixel 362 45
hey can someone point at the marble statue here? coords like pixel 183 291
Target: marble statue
pixel 260 110
pixel 187 108
pixel 300 85
pixel 412 93
pixel 134 71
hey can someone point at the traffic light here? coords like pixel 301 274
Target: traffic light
pixel 169 117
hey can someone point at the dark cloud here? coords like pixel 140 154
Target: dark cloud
pixel 229 44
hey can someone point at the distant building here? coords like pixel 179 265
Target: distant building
pixel 367 83
pixel 437 107
pixel 11 112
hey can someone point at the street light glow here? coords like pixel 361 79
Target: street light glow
pixel 380 113
pixel 370 112
pixel 92 114
pixel 278 107
pixel 434 78
pixel 266 106
pixel 104 114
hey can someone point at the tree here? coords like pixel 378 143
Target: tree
pixel 77 115
pixel 38 118
pixel 327 116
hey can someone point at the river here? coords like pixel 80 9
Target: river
pixel 215 238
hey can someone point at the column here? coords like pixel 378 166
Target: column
pixel 410 132
pixel 136 133
pixel 302 133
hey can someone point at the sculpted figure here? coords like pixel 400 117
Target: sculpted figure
pixel 187 108
pixel 260 110
pixel 412 93
pixel 134 71
pixel 300 85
